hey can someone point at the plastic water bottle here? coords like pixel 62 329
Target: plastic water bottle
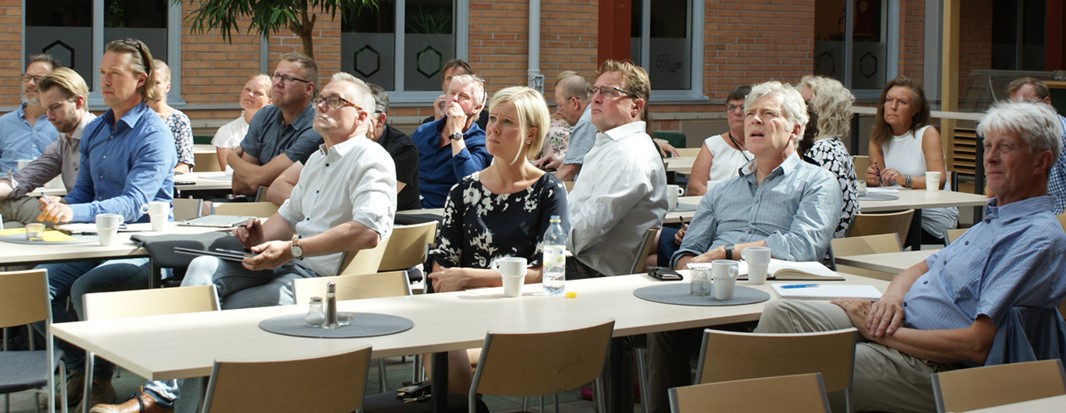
pixel 554 271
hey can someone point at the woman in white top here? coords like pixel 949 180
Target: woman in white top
pixel 722 155
pixel 903 147
pixel 255 95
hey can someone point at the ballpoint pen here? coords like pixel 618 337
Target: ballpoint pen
pixel 791 286
pixel 877 168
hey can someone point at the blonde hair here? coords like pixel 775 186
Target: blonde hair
pixel 140 62
pixel 832 102
pixel 67 80
pixel 532 112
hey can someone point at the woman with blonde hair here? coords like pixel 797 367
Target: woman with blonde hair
pixel 176 121
pixel 831 102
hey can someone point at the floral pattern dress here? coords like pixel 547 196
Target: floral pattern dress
pixel 833 156
pixel 181 127
pixel 480 227
pixel 557 139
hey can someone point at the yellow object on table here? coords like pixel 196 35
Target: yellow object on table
pixel 47 236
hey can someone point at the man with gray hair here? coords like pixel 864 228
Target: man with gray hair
pixel 400 147
pixel 777 201
pixel 943 313
pixel 23 132
pixel 452 147
pixel 572 102
pixel 1029 89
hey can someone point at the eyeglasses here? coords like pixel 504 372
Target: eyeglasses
pixel 286 79
pixel 733 108
pixel 334 102
pixel 26 77
pixel 608 92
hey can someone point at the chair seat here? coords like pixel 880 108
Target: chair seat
pixel 24 370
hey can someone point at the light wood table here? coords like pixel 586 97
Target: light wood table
pixel 684 214
pixel 11 253
pixel 890 262
pixel 201 181
pixel 1054 404
pixel 681 165
pixel 919 199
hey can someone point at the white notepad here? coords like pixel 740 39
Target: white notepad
pixel 827 292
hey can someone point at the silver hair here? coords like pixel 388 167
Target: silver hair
pixel 479 87
pixel 792 106
pixel 1036 123
pixel 364 98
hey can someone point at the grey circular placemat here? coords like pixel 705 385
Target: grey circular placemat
pixel 879 197
pixel 679 293
pixel 21 239
pixel 364 325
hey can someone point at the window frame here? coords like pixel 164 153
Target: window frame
pixel 695 29
pixel 891 9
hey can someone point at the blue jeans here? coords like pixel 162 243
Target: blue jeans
pixel 75 279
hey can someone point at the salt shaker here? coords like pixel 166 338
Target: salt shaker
pixel 331 306
pixel 316 313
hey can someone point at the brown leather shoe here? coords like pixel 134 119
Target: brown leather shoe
pixel 102 391
pixel 140 403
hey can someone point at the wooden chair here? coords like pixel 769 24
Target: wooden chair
pixel 332 383
pixel 796 393
pixel 979 387
pixel 142 303
pixel 644 249
pixel 867 244
pixel 953 234
pixel 727 356
pixel 254 209
pixel 187 208
pixel 534 364
pixel 882 223
pixel 24 300
pixel 861 164
pixel 406 247
pixel 206 162
pixel 569 185
pixel 1062 221
pixel 364 261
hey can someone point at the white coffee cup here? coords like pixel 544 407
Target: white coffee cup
pixel 513 272
pixel 107 228
pixel 724 275
pixel 932 181
pixel 672 194
pixel 159 212
pixel 758 259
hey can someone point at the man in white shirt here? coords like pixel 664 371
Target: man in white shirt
pixel 255 95
pixel 621 191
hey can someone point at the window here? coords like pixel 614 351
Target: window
pixel 427 33
pixel 668 42
pixel 1018 38
pixel 856 42
pixel 76 31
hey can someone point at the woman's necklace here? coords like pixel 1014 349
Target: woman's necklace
pixel 740 147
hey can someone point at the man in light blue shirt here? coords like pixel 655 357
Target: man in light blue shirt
pixel 127 160
pixel 944 313
pixel 777 201
pixel 26 132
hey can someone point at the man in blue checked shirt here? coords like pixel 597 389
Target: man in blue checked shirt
pixel 127 159
pixel 943 313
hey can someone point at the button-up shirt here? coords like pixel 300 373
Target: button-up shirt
pixel 354 180
pixel 620 193
pixel 59 158
pixel 1013 257
pixel 21 141
pixel 268 135
pixel 1056 185
pixel 795 210
pixel 125 163
pixel 438 169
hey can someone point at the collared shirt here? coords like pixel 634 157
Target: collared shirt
pixel 405 156
pixel 21 141
pixel 795 210
pixel 438 170
pixel 582 138
pixel 620 193
pixel 268 135
pixel 230 134
pixel 59 158
pixel 1013 257
pixel 124 165
pixel 1056 185
pixel 354 180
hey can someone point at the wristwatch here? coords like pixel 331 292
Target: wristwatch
pixel 457 136
pixel 729 251
pixel 296 249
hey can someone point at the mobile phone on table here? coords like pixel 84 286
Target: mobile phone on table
pixel 664 274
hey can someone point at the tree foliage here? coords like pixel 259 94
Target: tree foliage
pixel 267 16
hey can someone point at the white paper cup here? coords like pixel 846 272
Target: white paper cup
pixel 724 275
pixel 34 231
pixel 107 228
pixel 513 272
pixel 672 193
pixel 758 259
pixel 159 212
pixel 932 181
pixel 512 285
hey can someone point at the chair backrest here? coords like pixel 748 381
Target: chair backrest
pixel 866 244
pixel 529 364
pixel 23 297
pixel 883 223
pixel 187 208
pixel 861 164
pixel 353 287
pixel 332 383
pixel 569 185
pixel 644 249
pixel 727 355
pixel 953 234
pixel 979 387
pixel 796 393
pixel 1062 221
pixel 156 301
pixel 206 162
pixel 365 261
pixel 255 209
pixel 406 246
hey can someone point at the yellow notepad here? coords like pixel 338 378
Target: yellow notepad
pixel 48 235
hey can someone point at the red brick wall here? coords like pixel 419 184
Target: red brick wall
pixel 975 40
pixel 912 39
pixel 10 52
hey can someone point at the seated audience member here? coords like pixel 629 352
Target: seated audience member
pixel 903 146
pixel 255 95
pixel 831 102
pixel 127 160
pixel 572 103
pixel 281 134
pixel 943 313
pixel 400 147
pixel 558 138
pixel 24 134
pixel 777 201
pixel 1028 89
pixel 721 156
pixel 451 69
pixel 176 121
pixel 622 189
pixel 453 147
pixel 64 96
pixel 501 211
